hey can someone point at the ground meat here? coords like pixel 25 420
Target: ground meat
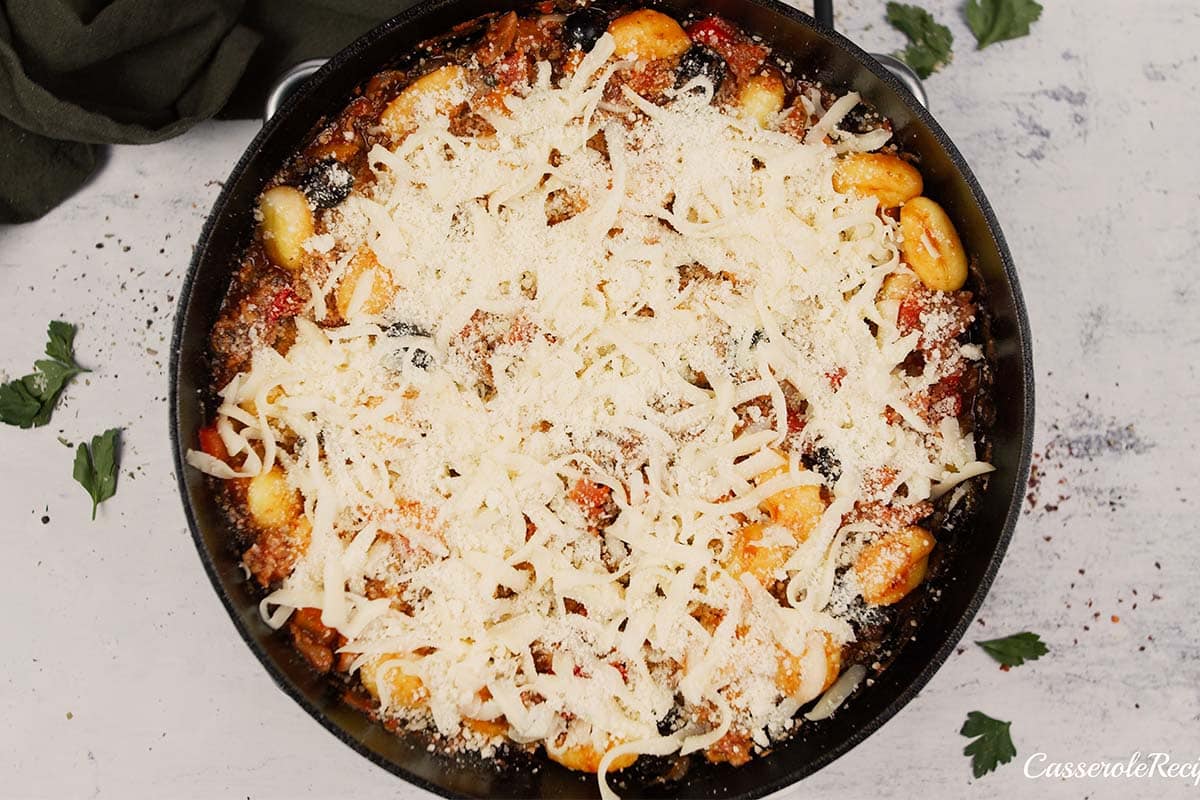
pixel 573 606
pixel 479 338
pixel 595 500
pixel 944 316
pixel 707 616
pixel 313 639
pixel 543 659
pixel 259 310
pixel 649 80
pixel 561 205
pixel 273 556
pixel 888 517
pixel 733 748
pixel 499 38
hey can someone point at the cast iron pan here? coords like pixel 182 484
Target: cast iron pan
pixel 968 558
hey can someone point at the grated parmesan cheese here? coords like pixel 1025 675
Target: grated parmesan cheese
pixel 588 343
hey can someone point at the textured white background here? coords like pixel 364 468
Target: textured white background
pixel 121 676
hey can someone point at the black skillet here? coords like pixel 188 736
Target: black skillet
pixel 967 558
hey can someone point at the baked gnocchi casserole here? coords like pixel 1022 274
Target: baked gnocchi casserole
pixel 590 385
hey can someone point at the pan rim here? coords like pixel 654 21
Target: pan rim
pixel 969 610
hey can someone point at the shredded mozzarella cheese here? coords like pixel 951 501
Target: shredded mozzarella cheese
pixel 458 500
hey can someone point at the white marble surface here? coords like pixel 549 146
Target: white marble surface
pixel 123 677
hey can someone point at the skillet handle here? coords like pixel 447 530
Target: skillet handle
pixel 288 83
pixel 823 14
pixel 904 73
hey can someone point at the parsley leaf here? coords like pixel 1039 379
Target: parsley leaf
pixel 96 470
pixel 930 45
pixel 994 745
pixel 999 20
pixel 1015 650
pixel 28 401
pixel 61 346
pixel 53 376
pixel 18 403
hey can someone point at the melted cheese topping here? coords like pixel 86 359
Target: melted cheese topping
pixel 443 467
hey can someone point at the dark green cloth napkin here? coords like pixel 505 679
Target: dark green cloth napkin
pixel 78 74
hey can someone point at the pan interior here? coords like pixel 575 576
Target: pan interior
pixel 961 579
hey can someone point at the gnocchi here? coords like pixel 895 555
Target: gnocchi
pixel 897 286
pixel 889 179
pixel 750 555
pixel 648 35
pixel 405 690
pixel 434 93
pixel 287 222
pixel 761 97
pixel 892 566
pixel 365 266
pixel 931 245
pixel 270 502
pixel 806 676
pixel 799 508
pixel 586 757
pixel 760 551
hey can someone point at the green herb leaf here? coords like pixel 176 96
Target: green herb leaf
pixel 54 375
pixel 1000 20
pixel 29 401
pixel 96 470
pixel 18 406
pixel 61 344
pixel 1015 650
pixel 930 45
pixel 994 745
